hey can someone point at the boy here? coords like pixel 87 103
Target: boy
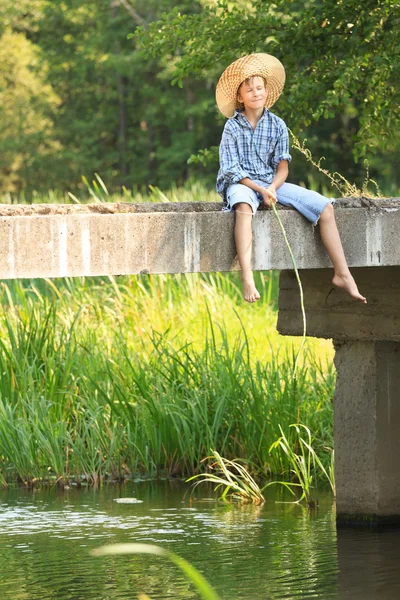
pixel 254 159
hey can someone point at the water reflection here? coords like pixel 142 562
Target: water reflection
pixel 369 564
pixel 249 553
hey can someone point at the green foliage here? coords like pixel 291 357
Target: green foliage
pixel 337 180
pixel 202 586
pixel 357 39
pixel 97 189
pixel 117 113
pixel 303 461
pixel 94 191
pixel 105 379
pixel 205 156
pixel 94 103
pixel 341 60
pixel 26 105
pixel 233 477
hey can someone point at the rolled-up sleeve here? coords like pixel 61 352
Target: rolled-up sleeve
pixel 230 168
pixel 281 151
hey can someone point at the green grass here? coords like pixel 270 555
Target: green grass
pixel 233 477
pixel 305 464
pixel 107 378
pixel 95 190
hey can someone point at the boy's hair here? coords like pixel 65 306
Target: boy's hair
pixel 240 105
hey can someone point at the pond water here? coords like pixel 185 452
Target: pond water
pixel 248 553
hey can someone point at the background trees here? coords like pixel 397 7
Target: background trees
pixel 26 103
pixel 78 96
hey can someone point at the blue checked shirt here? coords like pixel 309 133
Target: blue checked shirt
pixel 254 153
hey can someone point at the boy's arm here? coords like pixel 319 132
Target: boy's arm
pixel 269 193
pixel 230 167
pixel 280 176
pixel 280 163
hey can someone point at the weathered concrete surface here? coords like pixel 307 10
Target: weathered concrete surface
pixel 107 208
pixel 332 314
pixel 107 239
pixel 367 432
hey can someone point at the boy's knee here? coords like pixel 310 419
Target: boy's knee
pixel 328 212
pixel 243 207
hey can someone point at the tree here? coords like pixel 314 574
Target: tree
pixel 341 57
pixel 118 114
pixel 99 104
pixel 26 106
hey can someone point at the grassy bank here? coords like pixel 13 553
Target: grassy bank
pixel 105 378
pixel 95 190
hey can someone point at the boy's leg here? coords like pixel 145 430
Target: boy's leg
pixel 316 207
pixel 243 240
pixel 332 242
pixel 245 202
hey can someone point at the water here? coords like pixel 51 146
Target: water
pixel 248 553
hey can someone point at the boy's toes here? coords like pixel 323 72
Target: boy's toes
pixel 347 283
pixel 250 291
pixel 360 298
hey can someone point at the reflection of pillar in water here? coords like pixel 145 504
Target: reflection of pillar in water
pixel 369 564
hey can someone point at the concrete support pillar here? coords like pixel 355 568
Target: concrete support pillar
pixel 367 432
pixel 367 397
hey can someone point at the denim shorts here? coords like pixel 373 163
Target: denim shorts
pixel 310 204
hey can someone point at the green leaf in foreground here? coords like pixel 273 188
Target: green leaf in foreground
pixel 200 583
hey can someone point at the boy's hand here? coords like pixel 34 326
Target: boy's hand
pixel 269 196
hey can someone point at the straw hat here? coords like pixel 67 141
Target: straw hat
pixel 263 65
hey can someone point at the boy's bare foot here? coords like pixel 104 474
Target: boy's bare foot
pixel 347 283
pixel 250 291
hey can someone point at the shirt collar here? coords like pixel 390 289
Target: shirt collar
pixel 239 116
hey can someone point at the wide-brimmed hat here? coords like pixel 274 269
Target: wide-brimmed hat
pixel 263 65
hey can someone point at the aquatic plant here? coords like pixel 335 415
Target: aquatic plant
pixel 200 583
pixel 233 477
pixel 303 461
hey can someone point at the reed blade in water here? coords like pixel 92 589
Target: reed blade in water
pixel 200 583
pixel 302 462
pixel 233 477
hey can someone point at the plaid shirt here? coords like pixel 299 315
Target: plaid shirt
pixel 254 153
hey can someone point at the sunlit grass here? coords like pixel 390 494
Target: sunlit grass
pixel 294 450
pixel 95 190
pixel 105 378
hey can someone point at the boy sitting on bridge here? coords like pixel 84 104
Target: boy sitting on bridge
pixel 254 159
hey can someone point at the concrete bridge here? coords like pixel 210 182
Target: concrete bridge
pixel 113 239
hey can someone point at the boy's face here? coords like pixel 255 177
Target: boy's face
pixel 252 93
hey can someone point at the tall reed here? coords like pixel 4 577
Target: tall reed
pixel 107 378
pixel 233 477
pixel 305 464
